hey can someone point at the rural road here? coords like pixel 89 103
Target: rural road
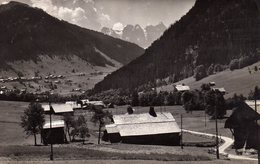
pixel 227 142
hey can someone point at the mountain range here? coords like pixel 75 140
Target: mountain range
pixel 26 33
pixel 214 34
pixel 136 34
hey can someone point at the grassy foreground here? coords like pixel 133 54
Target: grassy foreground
pixel 29 153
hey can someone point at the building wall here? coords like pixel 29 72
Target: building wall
pixel 171 139
pixel 55 136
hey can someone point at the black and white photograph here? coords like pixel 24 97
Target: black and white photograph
pixel 129 81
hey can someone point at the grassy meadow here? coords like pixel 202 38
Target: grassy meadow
pixel 15 145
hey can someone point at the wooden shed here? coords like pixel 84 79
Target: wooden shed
pixel 242 124
pixel 55 133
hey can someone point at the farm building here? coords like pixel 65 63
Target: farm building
pixel 221 90
pixel 212 83
pixel 242 124
pixel 55 133
pixel 58 109
pixel 74 104
pixel 182 88
pixel 152 129
pixel 99 104
pixel 82 104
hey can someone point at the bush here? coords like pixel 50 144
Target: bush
pixel 210 70
pixel 218 68
pixel 234 64
pixel 200 72
pixel 247 60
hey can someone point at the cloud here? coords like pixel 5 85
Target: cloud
pixel 79 12
pixel 104 19
pixel 4 2
pixel 76 16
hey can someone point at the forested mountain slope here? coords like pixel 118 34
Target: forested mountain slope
pixel 210 35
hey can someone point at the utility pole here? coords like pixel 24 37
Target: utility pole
pixel 205 119
pixel 181 134
pixel 217 142
pixel 257 135
pixel 51 155
pixel 204 102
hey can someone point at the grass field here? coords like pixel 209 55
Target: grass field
pixel 15 146
pixel 239 81
pixel 129 162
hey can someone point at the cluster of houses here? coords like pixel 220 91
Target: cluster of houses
pixel 183 88
pixel 33 78
pixel 13 79
pixel 147 128
pixel 4 90
pixel 57 126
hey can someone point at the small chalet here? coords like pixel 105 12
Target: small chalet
pixel 54 133
pixel 147 128
pixel 182 88
pixel 212 83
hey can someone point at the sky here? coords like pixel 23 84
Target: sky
pixel 95 14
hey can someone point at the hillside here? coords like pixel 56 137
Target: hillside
pixel 27 33
pixel 213 32
pixel 239 81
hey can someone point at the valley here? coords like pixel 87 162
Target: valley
pixel 57 75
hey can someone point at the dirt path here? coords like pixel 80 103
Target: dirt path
pixel 227 143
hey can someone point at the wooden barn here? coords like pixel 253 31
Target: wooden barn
pixel 152 129
pixel 55 134
pixel 242 124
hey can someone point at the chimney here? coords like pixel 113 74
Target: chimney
pixel 130 110
pixel 152 112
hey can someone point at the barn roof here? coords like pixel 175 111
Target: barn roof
pixel 148 128
pixel 182 87
pixel 251 104
pixel 144 124
pixel 97 103
pixel 112 128
pixel 219 89
pixel 142 118
pixel 58 108
pixel 54 124
pixel 242 116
